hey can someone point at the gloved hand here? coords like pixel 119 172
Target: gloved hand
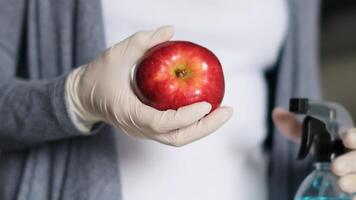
pixel 102 91
pixel 343 166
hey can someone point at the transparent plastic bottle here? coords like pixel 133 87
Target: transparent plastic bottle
pixel 321 184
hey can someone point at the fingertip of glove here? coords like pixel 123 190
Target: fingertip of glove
pixel 227 110
pixel 168 29
pixel 162 34
pixel 206 106
pixel 222 114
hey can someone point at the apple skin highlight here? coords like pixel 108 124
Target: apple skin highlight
pixel 178 73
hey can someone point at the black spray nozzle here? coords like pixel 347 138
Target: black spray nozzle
pixel 315 133
pixel 321 128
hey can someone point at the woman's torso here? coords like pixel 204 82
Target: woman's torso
pixel 246 35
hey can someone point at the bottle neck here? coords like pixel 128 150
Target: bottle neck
pixel 323 166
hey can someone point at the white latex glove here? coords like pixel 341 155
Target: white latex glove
pixel 102 91
pixel 343 166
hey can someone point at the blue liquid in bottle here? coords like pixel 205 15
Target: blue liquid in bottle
pixel 321 184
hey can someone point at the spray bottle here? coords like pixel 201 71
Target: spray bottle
pixel 323 126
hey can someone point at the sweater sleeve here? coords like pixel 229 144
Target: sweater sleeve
pixel 33 112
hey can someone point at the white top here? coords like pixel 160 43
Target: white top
pixel 246 35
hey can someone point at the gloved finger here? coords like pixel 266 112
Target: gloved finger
pixel 144 40
pixel 349 139
pixel 198 130
pixel 287 124
pixel 162 34
pixel 348 183
pixel 165 121
pixel 136 45
pixel 344 164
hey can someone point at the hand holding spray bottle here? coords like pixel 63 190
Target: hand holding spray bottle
pixel 323 126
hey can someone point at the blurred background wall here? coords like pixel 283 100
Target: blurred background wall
pixel 338 52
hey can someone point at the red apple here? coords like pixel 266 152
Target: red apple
pixel 178 73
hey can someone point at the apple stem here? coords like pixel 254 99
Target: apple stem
pixel 181 73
